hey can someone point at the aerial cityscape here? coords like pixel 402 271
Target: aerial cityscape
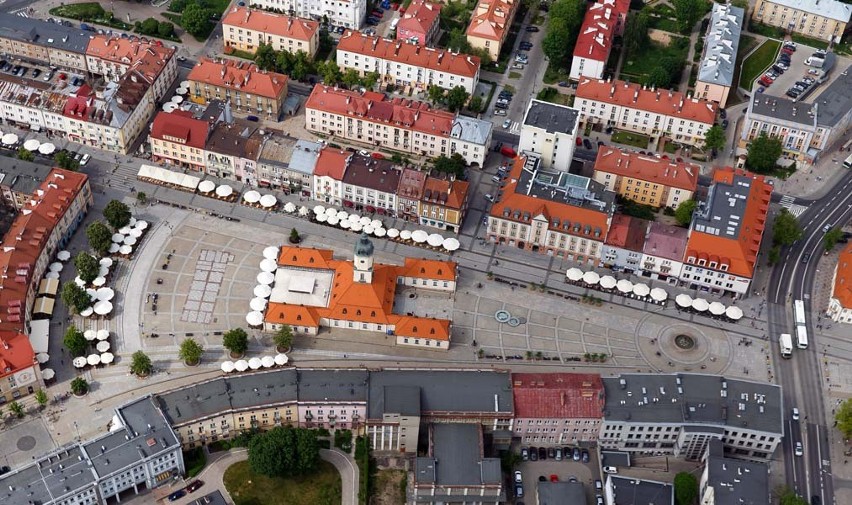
pixel 368 252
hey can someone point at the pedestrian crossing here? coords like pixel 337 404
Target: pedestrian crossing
pixel 788 202
pixel 23 12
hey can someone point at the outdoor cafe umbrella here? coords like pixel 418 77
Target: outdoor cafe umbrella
pixel 365 220
pixel 227 366
pixel 333 220
pixel 125 230
pixel 9 139
pixel 608 282
pixel 141 225
pixel 87 312
pixel 107 358
pixel 393 232
pixel 103 271
pixel 56 267
pixel 90 334
pixel 345 224
pixel 435 240
pixel 290 207
pixel 130 240
pixel 102 335
pixel 700 304
pixel 105 262
pixel 659 294
pixel 303 211
pixel 321 217
pixel 131 222
pixel 356 227
pixel 93 293
pixel 254 318
pixel 406 234
pixel 268 265
pixel 369 230
pixel 63 255
pixel 342 214
pixel 268 201
pixel 267 361
pixel 224 191
pixel 641 290
pixel 125 249
pixel 99 281
pixel 42 358
pixel 717 309
pixel 331 211
pixel 734 312
pixel 79 362
pixel 251 196
pixel 683 300
pixel 265 278
pixel 451 243
pixel 281 359
pixel 102 346
pixel 206 186
pixel 376 223
pixel 262 291
pixel 48 374
pixel 624 286
pixel 103 308
pixel 47 149
pixel 591 277
pixel 574 274
pixel 255 363
pixel 52 275
pixel 114 248
pixel 241 365
pixel 118 238
pixel 271 253
pixel 32 145
pixel 136 232
pixel 258 304
pixel 419 236
pixel 319 209
pixel 78 281
pixel 380 232
pixel 93 359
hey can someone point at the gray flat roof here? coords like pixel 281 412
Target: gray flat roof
pixel 736 481
pixel 561 493
pixel 304 158
pixel 832 9
pixel 22 176
pixel 629 491
pixel 564 187
pixel 723 212
pixel 43 33
pixel 721 44
pixel 693 399
pixel 836 101
pixel 457 452
pixel 402 400
pixel 471 130
pixel 551 117
pixel 777 107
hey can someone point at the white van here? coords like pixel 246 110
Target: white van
pixel 394 23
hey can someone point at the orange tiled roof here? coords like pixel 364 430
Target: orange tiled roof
pixel 512 201
pixel 16 353
pixel 418 19
pixel 843 279
pixel 660 101
pixel 293 315
pixel 627 232
pixel 595 39
pixel 558 395
pixel 332 163
pixel 647 168
pixel 409 54
pixel 431 269
pixel 491 19
pixel 740 253
pixel 305 256
pixel 423 327
pixel 182 126
pixel 399 112
pixel 267 22
pixel 450 194
pixel 239 75
pixel 148 58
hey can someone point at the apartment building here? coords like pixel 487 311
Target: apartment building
pixel 840 301
pixel 409 193
pixel 18 181
pixel 246 29
pixel 232 150
pixel 729 481
pixel 551 212
pixel 679 414
pixel 819 19
pixel 719 56
pixel 346 13
pixel 288 166
pixel 489 25
pixel 177 138
pixel 632 491
pixel 604 20
pixel 328 175
pixel 112 57
pixel 806 128
pixel 369 185
pixel 444 203
pixel 550 131
pixel 140 452
pixel 663 252
pixel 37 40
pixel 726 231
pixel 557 408
pixel 248 89
pixel 624 242
pixel 646 179
pixel 420 22
pixel 406 63
pixel 658 113
pixel 20 375
pixel 400 125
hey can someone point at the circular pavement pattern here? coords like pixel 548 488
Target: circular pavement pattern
pixel 26 443
pixel 667 347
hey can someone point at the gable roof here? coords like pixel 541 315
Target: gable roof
pixel 419 17
pixel 491 19
pixel 720 48
pixel 627 232
pixel 268 22
pixel 842 291
pixel 332 163
pixel 448 193
pixel 239 75
pixel 655 170
pixel 407 53
pixel 659 101
pixel 149 58
pixel 180 127
pixel 558 395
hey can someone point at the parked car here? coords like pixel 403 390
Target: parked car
pixel 610 469
pixel 587 143
pixel 799 451
pixel 577 454
pixel 599 500
pixel 584 456
pixel 519 490
pixel 558 455
pixel 177 495
pixel 499 112
pixel 194 485
pixel 4 469
pixel 551 452
pixel 507 123
pixel 777 69
pixel 579 141
pixel 85 159
pixel 490 198
pixel 532 29
pixel 518 66
pixel 525 46
pixel 533 454
pixel 36 73
pixel 790 44
pixel 519 478
pixel 795 414
pixel 525 454
pixel 806 257
pixel 598 485
pixel 562 84
pixel 554 477
pixel 542 453
pixel 725 124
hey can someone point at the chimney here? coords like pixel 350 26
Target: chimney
pixel 248 13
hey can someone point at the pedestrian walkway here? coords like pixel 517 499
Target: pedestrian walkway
pixel 788 202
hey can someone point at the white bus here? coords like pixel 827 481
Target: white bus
pixel 799 312
pixel 801 328
pixel 786 342
pixel 801 337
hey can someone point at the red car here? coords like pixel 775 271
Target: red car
pixel 554 478
pixel 579 141
pixel 194 485
pixel 377 156
pixel 765 81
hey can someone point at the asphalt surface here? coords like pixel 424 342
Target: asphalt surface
pixel 801 377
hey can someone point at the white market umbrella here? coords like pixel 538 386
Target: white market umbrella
pixel 683 300
pixel 376 223
pixel 79 362
pixel 107 358
pixel 356 227
pixel 105 294
pixel 641 290
pixel 93 359
pixel 419 236
pixel 700 304
pixel 103 271
pixel 255 363
pixel 608 282
pixel 321 218
pixel 114 248
pixel 105 262
pixel 380 232
pixel 369 229
pixel 659 294
pixel 333 220
pixel 130 240
pixel 42 358
pixel 47 149
pixel 80 282
pixel 258 304
pixel 319 209
pixel 169 107
pixel 451 244
pixel 435 240
pixel 102 346
pixel 268 201
pixel 254 318
pixel 734 312
pixel 262 291
pixel 281 359
pixel 103 308
pixel 102 335
pixel 624 286
pixel 89 335
pixel 125 230
pixel 591 277
pixel 268 265
pixel 118 238
pixel 136 233
pixel 406 235
pixel 32 145
pixel 290 207
pixel 52 275
pixel 206 186
pixel 87 312
pixel 241 365
pixel 331 211
pixel 56 267
pixel 99 281
pixel 267 361
pixel 177 99
pixel 9 139
pixel 265 278
pixel 271 253
pixel 354 218
pixel 717 309
pixel 125 250
pixel 574 274
pixel 345 224
pixel 393 233
pixel 227 366
pixel 63 255
pixel 303 211
pixel 365 221
pixel 141 225
pixel 251 196
pixel 93 293
pixel 131 222
pixel 48 374
pixel 224 191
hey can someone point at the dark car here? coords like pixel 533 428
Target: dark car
pixel 36 73
pixel 577 454
pixel 584 456
pixel 601 143
pixel 4 469
pixel 567 451
pixel 562 84
pixel 725 124
pixel 816 500
pixel 784 59
pixel 194 485
pixel 551 452
pixel 525 46
pixel 519 490
pixel 532 29
pixel 723 113
pixel 253 118
pixel 587 143
pixel 792 93
pixel 533 454
pixel 177 495
pixel 806 257
pixel 777 69
pixel 542 453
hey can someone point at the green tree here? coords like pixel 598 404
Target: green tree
pixel 236 341
pixel 75 298
pixel 789 497
pixel 457 41
pixel 351 79
pixel 166 30
pixel 149 26
pixel 64 160
pixel 774 255
pixel 302 66
pixel 484 56
pixel 557 44
pixel 140 364
pixel 178 5
pixel 456 98
pixel 843 417
pixel 658 77
pixel 295 238
pixel 436 93
pixel 785 229
pixel 75 342
pixel 117 214
pixel 141 198
pixel 475 104
pixel 763 153
pixel 283 338
pixel 99 236
pixel 79 386
pixel 87 266
pixel 714 138
pixel 831 238
pixel 683 213
pixel 636 32
pixel 195 20
pixel 307 449
pixel 41 397
pixel 264 57
pixel 284 451
pixel 25 155
pixel 370 79
pixel 284 62
pixel 687 13
pixel 190 351
pixel 686 488
pixel 330 72
pixel 17 409
pixel 451 165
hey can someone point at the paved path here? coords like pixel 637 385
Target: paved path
pixel 348 473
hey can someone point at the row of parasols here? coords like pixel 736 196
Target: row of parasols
pixel 174 103
pixel 685 301
pixel 253 197
pixel 128 237
pixel 31 145
pixel 255 363
pixel 46 373
pixel 623 286
pixel 221 191
pixel 263 290
pixel 365 224
pixel 102 346
pixel 104 358
pixel 101 296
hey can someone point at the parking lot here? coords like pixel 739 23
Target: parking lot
pixel 797 71
pixel 534 472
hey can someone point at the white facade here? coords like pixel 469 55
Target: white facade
pixel 339 12
pixel 586 67
pixel 713 279
pixel 657 267
pixel 550 131
pixel 369 197
pixel 328 189
pixel 837 312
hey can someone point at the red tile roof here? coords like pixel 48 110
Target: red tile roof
pixel 627 232
pixel 16 353
pixel 418 20
pixel 148 58
pixel 332 163
pixel 647 168
pixel 181 128
pixel 491 19
pixel 558 395
pixel 843 279
pixel 267 22
pixel 448 193
pixel 241 76
pixel 399 112
pixel 432 269
pixel 409 54
pixel 599 27
pixel 660 101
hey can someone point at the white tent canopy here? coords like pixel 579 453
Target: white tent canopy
pixel 393 233
pixel 32 145
pixel 254 318
pixel 251 196
pixel 700 304
pixel 224 191
pixel 47 149
pixel 451 244
pixel 419 236
pixel 206 186
pixel 258 304
pixel 255 363
pixel 265 278
pixel 435 240
pixel 734 312
pixel 683 300
pixel 659 294
pixel 268 201
pixel 608 282
pixel 262 291
pixel 102 334
pixel 268 265
pixel 241 365
pixel 281 359
pixel 641 290
pixel 160 174
pixel 624 286
pixel 591 277
pixel 227 366
pixel 717 309
pixel 267 361
pixel 271 253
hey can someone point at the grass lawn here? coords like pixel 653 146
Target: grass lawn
pixel 514 75
pixel 553 95
pixel 89 12
pixel 766 30
pixel 631 139
pixel 246 488
pixel 644 62
pixel 554 74
pixel 807 41
pixel 759 61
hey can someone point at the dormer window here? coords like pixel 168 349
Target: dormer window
pixel 712 264
pixel 702 262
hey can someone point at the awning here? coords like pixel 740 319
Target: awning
pixel 44 305
pixel 48 287
pixel 39 331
